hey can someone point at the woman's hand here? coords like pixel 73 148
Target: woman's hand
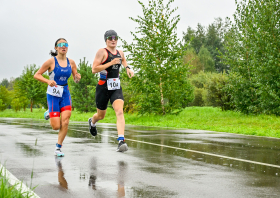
pixel 77 78
pixel 116 61
pixel 129 73
pixel 51 83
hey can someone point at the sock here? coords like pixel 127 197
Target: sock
pixel 93 125
pixel 121 138
pixel 58 146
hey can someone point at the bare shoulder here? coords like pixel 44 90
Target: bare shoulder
pixel 71 61
pixel 101 55
pixel 121 53
pixel 49 62
pixel 101 52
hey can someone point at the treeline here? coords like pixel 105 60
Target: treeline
pixel 25 91
pixel 234 65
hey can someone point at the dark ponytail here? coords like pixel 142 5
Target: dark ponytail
pixel 54 53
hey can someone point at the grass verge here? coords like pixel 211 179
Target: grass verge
pixel 11 191
pixel 203 118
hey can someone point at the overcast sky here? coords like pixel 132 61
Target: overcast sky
pixel 29 28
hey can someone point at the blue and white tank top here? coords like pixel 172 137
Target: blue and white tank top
pixel 60 74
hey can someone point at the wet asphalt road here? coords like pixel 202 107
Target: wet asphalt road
pixel 159 162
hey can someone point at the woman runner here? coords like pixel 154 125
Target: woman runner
pixel 58 95
pixel 108 62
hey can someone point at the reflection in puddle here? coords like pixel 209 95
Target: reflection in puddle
pixel 122 170
pixel 121 176
pixel 93 173
pixel 61 179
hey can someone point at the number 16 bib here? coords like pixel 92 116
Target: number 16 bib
pixel 56 90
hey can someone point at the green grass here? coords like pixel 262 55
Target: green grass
pixel 11 191
pixel 204 118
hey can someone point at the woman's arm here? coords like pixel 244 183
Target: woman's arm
pixel 100 56
pixel 46 66
pixel 75 74
pixel 124 63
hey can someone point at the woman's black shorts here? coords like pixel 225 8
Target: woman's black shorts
pixel 103 95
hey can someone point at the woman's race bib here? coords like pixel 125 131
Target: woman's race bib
pixel 56 90
pixel 113 83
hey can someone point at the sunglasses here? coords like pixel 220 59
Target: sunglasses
pixel 110 38
pixel 62 44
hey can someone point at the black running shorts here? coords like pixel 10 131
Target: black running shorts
pixel 103 95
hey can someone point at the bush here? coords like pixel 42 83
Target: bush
pixel 217 94
pixel 16 105
pixel 211 89
pixel 2 106
pixel 200 95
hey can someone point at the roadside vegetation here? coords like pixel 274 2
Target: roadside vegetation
pixel 204 118
pixel 11 191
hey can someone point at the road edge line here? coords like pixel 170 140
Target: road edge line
pixel 16 183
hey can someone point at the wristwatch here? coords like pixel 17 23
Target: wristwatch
pixel 127 67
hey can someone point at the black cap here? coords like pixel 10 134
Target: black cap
pixel 110 33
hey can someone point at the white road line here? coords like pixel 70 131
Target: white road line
pixel 16 183
pixel 194 151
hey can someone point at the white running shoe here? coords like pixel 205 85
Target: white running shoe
pixel 58 153
pixel 47 115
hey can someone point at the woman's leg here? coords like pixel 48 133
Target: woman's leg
pixel 65 116
pixel 118 107
pixel 55 123
pixel 98 116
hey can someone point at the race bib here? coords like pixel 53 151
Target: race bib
pixel 56 90
pixel 113 83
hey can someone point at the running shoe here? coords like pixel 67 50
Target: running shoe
pixel 122 147
pixel 92 130
pixel 47 115
pixel 58 152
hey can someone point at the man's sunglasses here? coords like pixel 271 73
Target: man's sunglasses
pixel 110 38
pixel 62 44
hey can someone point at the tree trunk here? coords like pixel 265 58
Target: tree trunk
pixel 161 97
pixel 31 104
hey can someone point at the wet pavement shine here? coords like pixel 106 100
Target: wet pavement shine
pixel 159 162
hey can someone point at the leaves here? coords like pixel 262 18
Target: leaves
pixel 156 56
pixel 85 88
pixel 30 88
pixel 252 51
